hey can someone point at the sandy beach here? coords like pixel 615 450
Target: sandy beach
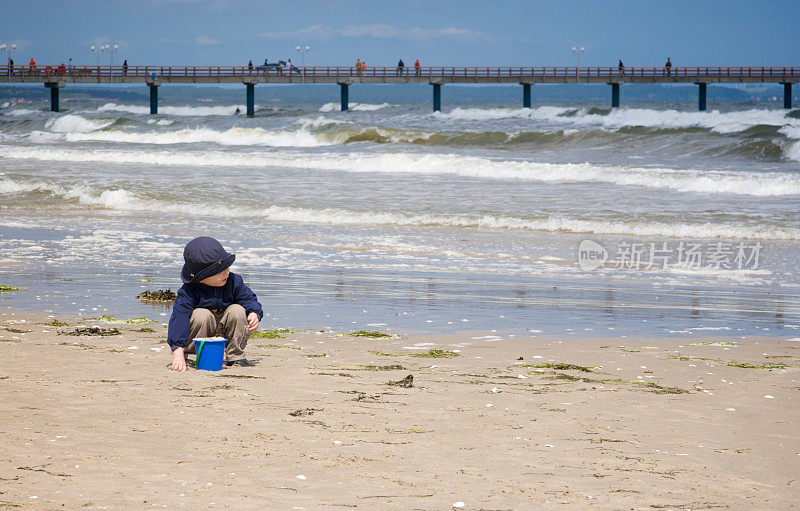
pixel 328 421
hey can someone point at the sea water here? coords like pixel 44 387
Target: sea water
pixel 392 217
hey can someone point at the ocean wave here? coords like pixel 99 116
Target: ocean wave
pixel 716 121
pixel 19 112
pixel 321 122
pixel 793 152
pixel 199 111
pixel 791 131
pixel 697 181
pixel 160 122
pixel 123 200
pixel 364 107
pixel 230 137
pixel 76 124
pixel 545 113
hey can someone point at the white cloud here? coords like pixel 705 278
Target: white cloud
pixel 206 41
pixel 310 32
pixel 378 31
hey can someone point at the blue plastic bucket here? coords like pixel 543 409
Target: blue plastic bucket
pixel 210 353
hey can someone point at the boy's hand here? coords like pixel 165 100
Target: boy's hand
pixel 252 321
pixel 178 360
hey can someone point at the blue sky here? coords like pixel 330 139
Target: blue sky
pixel 439 33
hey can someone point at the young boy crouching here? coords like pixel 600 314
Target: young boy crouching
pixel 212 302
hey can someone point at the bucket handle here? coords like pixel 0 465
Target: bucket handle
pixel 199 350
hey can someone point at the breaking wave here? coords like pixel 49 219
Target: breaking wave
pixel 198 111
pixel 698 181
pixel 230 137
pixel 716 121
pixel 123 200
pixel 19 111
pixel 366 107
pixel 77 124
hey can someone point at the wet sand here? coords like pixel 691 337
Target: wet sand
pixel 96 422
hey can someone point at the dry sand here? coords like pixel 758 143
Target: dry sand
pixel 101 423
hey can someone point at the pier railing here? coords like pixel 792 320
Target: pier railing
pixel 56 77
pixel 332 73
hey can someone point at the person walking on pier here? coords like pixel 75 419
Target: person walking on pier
pixel 668 67
pixel 400 66
pixel 417 68
pixel 250 66
pixel 364 66
pixel 32 64
pixel 125 67
pixel 621 67
pixel 358 67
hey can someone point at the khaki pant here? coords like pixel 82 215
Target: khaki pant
pixel 230 324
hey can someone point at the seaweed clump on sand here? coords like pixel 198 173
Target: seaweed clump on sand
pixel 560 366
pixel 7 289
pixel 436 354
pixel 372 334
pixel 406 382
pixel 162 295
pixel 270 334
pixel 96 331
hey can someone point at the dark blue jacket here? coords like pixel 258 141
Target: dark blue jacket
pixel 194 296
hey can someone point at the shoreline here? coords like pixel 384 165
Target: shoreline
pixel 100 422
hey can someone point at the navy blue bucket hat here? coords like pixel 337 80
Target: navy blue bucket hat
pixel 203 258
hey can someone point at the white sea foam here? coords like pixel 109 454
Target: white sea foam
pixel 791 131
pixel 793 152
pixel 548 113
pixel 230 137
pixel 200 111
pixel 124 200
pixel 720 122
pixel 368 107
pixel 76 124
pixel 20 111
pixel 320 122
pixel 698 181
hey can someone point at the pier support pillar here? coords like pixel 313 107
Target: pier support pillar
pixel 251 99
pixel 702 98
pixel 153 98
pixel 54 87
pixel 787 95
pixel 345 92
pixel 614 95
pixel 437 97
pixel 526 95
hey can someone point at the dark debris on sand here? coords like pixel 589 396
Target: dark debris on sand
pixel 406 382
pixel 95 331
pixel 305 412
pixel 162 295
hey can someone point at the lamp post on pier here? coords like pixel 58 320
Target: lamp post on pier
pixel 578 51
pixel 96 51
pixel 112 51
pixel 303 52
pixel 9 50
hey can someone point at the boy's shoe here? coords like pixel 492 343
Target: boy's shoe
pixel 241 362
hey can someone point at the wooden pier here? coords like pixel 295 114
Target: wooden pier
pixel 56 77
